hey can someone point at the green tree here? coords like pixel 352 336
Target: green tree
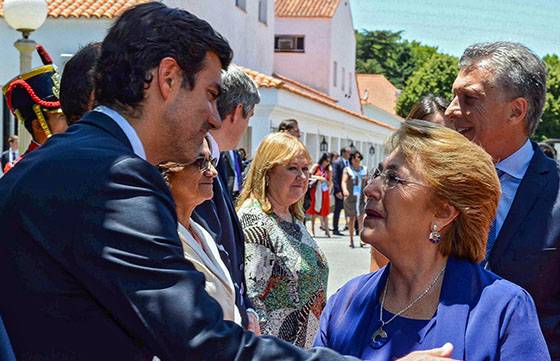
pixel 385 52
pixel 435 76
pixel 549 127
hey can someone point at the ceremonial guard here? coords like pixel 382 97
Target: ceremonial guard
pixel 33 98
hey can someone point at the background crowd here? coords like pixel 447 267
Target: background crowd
pixel 136 224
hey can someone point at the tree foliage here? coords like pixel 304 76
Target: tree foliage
pixel 436 76
pixel 419 70
pixel 549 127
pixel 385 52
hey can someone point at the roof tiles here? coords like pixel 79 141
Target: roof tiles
pixel 306 8
pixel 267 81
pixel 86 8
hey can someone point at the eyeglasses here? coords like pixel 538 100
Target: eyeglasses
pixel 389 178
pixel 202 163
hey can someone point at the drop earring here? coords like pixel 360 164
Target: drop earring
pixel 435 236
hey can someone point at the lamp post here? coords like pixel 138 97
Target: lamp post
pixel 25 16
pixel 324 146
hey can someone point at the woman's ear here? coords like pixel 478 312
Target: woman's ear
pixel 444 214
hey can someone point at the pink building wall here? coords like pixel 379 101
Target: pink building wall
pixel 326 40
pixel 312 66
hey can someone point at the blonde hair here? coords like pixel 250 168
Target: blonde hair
pixel 275 149
pixel 458 172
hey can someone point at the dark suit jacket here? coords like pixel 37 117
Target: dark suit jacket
pixel 338 168
pixel 226 170
pixel 5 158
pixel 526 249
pixel 91 266
pixel 219 218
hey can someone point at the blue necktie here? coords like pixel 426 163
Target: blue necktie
pixel 492 234
pixel 237 161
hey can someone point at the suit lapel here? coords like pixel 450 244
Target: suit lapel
pixel 529 191
pixel 453 309
pixel 208 261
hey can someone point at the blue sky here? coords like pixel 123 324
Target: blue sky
pixel 453 25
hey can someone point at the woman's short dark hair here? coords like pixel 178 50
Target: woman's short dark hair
pixel 356 154
pixel 139 39
pixel 427 106
pixel 324 157
pixel 287 124
pixel 76 83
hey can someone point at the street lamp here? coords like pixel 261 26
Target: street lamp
pixel 324 146
pixel 25 16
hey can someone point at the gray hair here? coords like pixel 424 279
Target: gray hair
pixel 237 88
pixel 517 70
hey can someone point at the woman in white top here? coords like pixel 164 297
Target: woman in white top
pixel 191 184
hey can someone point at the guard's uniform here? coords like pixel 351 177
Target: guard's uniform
pixel 32 95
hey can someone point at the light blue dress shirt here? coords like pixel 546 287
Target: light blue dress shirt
pixel 514 168
pixel 125 126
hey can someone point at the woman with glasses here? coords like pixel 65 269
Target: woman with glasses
pixel 286 271
pixel 353 181
pixel 190 185
pixel 429 211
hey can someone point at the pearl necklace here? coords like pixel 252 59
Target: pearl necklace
pixel 382 333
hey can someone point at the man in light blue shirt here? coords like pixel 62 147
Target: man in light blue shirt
pixel 499 97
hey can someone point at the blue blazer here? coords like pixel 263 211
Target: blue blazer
pixel 526 249
pixel 91 265
pixel 484 316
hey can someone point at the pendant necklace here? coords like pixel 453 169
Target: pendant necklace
pixel 381 333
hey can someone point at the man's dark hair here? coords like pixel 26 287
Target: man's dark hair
pixel 287 124
pixel 139 39
pixel 76 84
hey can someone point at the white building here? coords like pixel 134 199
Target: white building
pixel 315 44
pixel 325 110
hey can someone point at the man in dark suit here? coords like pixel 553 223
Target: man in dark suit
pixel 338 167
pixel 10 155
pixel 499 97
pixel 91 265
pixel 236 106
pixel 230 170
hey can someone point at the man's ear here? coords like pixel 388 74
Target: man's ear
pixel 237 113
pixel 518 110
pixel 168 77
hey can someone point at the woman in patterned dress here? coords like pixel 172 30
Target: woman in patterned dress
pixel 286 271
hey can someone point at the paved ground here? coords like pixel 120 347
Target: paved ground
pixel 345 263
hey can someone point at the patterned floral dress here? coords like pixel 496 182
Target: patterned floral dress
pixel 286 275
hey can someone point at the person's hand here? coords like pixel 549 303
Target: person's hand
pixel 346 194
pixel 339 195
pixel 253 325
pixel 442 353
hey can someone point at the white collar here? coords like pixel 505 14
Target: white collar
pixel 125 126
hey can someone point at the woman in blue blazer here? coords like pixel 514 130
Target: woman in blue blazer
pixel 430 212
